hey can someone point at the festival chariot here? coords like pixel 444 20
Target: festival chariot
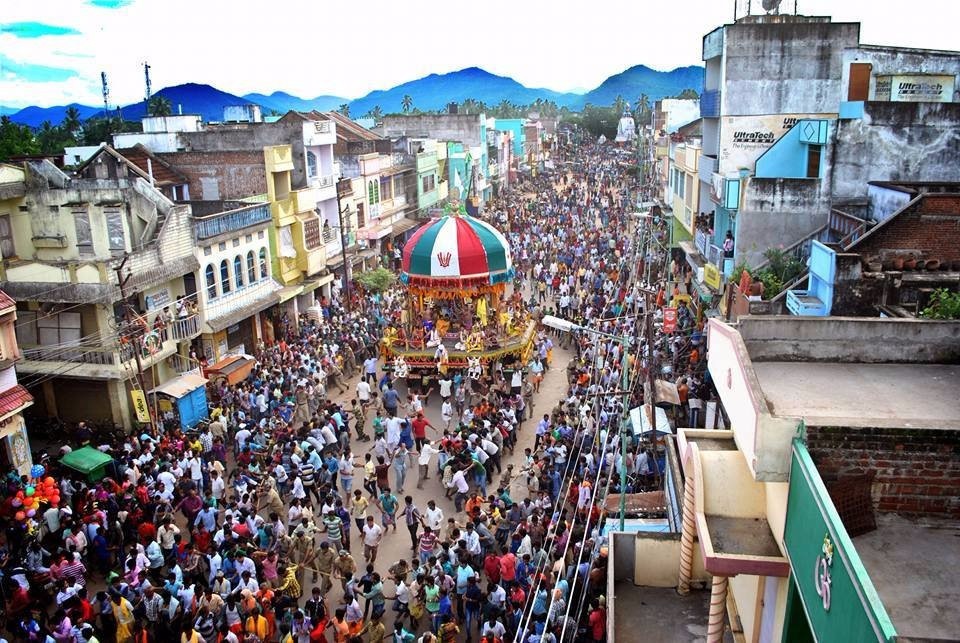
pixel 461 311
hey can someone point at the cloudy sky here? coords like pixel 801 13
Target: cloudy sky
pixel 52 51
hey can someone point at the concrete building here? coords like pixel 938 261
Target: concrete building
pixel 236 291
pixel 670 113
pixel 783 144
pixel 66 238
pixel 382 203
pixel 15 452
pixel 839 473
pixel 466 138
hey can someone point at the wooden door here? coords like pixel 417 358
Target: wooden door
pixel 859 88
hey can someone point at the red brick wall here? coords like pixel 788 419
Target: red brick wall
pixel 916 472
pixel 237 174
pixel 932 227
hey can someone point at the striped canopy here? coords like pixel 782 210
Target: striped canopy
pixel 457 250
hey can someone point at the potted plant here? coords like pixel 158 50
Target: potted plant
pixel 909 262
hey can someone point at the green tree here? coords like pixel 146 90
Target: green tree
pixel 159 106
pixel 375 113
pixel 504 109
pixel 641 113
pixel 377 280
pixel 71 121
pixel 100 130
pixel 619 104
pixel 344 109
pixel 52 139
pixel 406 103
pixel 688 93
pixel 16 139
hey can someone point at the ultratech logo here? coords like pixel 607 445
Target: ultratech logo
pixel 920 89
pixel 742 136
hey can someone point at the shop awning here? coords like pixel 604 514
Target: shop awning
pixel 181 385
pixel 404 224
pixel 289 292
pixel 639 420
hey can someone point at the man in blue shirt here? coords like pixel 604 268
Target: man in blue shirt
pixel 391 399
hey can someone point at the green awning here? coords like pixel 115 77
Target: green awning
pixel 86 460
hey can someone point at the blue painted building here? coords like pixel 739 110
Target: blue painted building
pixel 514 125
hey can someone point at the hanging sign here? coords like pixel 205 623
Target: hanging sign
pixel 140 406
pixel 669 319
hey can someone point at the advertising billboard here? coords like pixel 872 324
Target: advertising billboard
pixel 744 138
pixel 915 88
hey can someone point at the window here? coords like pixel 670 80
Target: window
pixel 115 231
pixel 251 268
pixel 386 188
pixel 47 329
pixel 238 271
pixel 371 199
pixel 236 242
pixel 224 277
pixel 207 251
pixel 813 161
pixel 264 268
pixel 222 246
pixel 285 242
pixel 81 224
pixel 6 237
pixel 429 183
pixel 311 233
pixel 311 164
pixel 361 216
pixel 210 277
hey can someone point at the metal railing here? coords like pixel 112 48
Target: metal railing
pixel 80 354
pixel 702 241
pixel 185 327
pixel 217 224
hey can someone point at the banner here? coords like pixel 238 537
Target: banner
pixel 669 319
pixel 915 88
pixel 711 276
pixel 140 406
pixel 744 138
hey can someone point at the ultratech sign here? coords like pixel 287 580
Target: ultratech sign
pixel 915 88
pixel 744 138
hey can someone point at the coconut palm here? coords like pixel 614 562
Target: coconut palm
pixel 375 113
pixel 344 109
pixel 159 106
pixel 71 120
pixel 406 103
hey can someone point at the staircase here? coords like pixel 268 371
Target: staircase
pixel 841 230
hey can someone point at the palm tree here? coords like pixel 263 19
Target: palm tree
pixel 619 104
pixel 344 109
pixel 375 113
pixel 406 103
pixel 504 109
pixel 71 120
pixel 159 106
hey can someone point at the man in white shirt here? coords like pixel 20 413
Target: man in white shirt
pixel 427 451
pixel 446 388
pixel 372 536
pixel 363 392
pixel 459 482
pixel 433 516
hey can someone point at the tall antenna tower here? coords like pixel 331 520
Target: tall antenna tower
pixel 146 76
pixel 106 94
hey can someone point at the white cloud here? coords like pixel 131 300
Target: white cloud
pixel 309 48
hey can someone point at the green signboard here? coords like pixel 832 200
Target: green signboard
pixel 838 597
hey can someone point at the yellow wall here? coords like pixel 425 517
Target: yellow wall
pixel 728 487
pixel 658 563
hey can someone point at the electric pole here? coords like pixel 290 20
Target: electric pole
pixel 146 77
pixel 135 336
pixel 343 248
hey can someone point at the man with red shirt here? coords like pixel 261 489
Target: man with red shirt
pixel 420 425
pixel 508 567
pixel 598 621
pixel 491 566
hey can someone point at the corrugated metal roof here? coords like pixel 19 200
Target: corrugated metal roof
pixel 14 399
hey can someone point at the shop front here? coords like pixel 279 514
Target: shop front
pixel 830 596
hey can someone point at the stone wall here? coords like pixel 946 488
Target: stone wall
pixel 214 176
pixel 915 472
pixel 850 339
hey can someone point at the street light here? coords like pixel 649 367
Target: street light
pixel 567 326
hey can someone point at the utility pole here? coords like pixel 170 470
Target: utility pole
pixel 127 315
pixel 146 77
pixel 343 250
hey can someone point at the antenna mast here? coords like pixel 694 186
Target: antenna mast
pixel 146 76
pixel 106 94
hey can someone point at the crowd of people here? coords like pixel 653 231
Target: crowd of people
pixel 267 522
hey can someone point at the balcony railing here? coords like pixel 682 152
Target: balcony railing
pixel 80 354
pixel 702 241
pixel 225 222
pixel 185 327
pixel 239 298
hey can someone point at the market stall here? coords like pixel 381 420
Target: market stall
pixel 183 398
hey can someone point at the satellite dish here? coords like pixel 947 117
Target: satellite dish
pixel 772 6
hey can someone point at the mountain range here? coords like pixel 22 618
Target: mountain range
pixel 428 93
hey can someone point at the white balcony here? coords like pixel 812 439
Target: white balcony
pixel 260 292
